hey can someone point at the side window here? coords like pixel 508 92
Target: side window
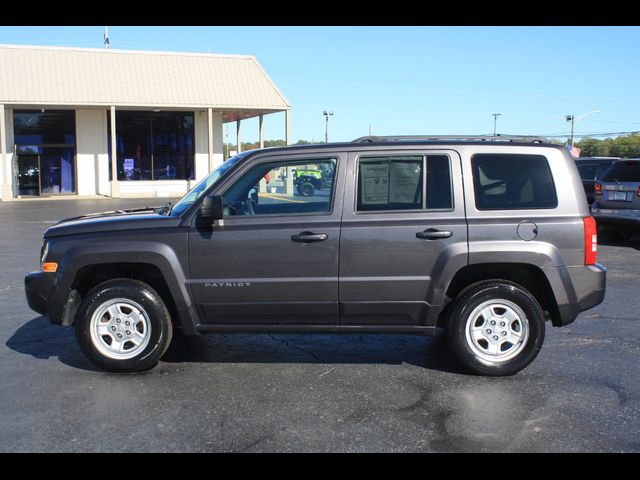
pixel 438 182
pixel 398 183
pixel 512 182
pixel 390 183
pixel 281 188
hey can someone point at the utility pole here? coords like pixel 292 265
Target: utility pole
pixel 326 126
pixel 495 122
pixel 573 119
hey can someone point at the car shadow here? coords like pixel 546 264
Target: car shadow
pixel 42 340
pixel 427 352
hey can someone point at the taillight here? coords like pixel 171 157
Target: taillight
pixel 638 192
pixel 590 241
pixel 597 188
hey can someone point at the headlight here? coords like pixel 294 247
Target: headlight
pixel 44 251
pixel 50 267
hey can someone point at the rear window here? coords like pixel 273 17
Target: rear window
pixel 587 172
pixel 513 182
pixel 623 172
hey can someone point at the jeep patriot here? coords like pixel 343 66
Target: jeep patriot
pixel 486 238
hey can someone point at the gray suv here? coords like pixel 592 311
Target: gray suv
pixel 617 198
pixel 486 237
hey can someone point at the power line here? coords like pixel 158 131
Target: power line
pixel 602 134
pixel 616 122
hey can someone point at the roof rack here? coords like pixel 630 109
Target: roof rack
pixel 457 138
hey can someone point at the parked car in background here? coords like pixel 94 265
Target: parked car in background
pixel 591 169
pixel 617 198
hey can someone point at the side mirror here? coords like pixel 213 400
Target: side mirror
pixel 212 208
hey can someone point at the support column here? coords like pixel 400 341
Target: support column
pixel 115 185
pixel 261 131
pixel 210 137
pixel 238 135
pixel 287 127
pixel 5 188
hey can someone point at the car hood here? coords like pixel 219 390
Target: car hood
pixel 133 219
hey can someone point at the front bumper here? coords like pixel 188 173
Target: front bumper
pixel 38 287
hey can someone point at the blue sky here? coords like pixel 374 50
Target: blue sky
pixel 412 80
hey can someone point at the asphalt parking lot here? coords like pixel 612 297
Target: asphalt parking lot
pixel 312 393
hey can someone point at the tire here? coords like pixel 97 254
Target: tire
pixel 306 189
pixel 495 328
pixel 123 325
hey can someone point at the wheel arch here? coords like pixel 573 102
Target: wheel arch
pixel 530 277
pixel 92 275
pixel 155 264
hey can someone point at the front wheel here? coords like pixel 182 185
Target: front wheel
pixel 123 325
pixel 496 328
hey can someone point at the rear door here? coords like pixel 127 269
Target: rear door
pixel 401 227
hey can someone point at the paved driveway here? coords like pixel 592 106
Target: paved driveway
pixel 299 393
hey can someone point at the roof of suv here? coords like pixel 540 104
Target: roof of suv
pixel 436 140
pixel 452 139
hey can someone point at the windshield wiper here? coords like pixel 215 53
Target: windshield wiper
pixel 165 209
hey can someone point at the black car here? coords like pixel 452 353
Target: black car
pixel 591 169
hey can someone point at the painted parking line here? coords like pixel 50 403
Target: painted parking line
pixel 280 198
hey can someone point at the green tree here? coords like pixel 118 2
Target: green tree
pixel 624 146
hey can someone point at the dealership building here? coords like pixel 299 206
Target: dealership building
pixel 118 123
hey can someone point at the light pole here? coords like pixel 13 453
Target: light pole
pixel 326 125
pixel 573 119
pixel 495 122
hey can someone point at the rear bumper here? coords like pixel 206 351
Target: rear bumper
pixel 590 286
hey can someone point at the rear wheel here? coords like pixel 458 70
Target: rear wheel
pixel 496 328
pixel 306 189
pixel 123 325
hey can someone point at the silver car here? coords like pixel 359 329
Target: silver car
pixel 617 198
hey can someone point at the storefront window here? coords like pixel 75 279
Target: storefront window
pixel 52 127
pixel 155 145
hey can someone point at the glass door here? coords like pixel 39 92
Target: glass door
pixel 45 169
pixel 57 172
pixel 28 174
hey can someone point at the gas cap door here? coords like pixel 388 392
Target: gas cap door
pixel 527 230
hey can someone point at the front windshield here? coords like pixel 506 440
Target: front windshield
pixel 196 192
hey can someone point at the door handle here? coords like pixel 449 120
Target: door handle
pixel 308 237
pixel 434 234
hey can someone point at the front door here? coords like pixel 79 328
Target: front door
pixel 273 260
pixel 28 174
pixel 45 169
pixel 403 223
pixel 57 173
